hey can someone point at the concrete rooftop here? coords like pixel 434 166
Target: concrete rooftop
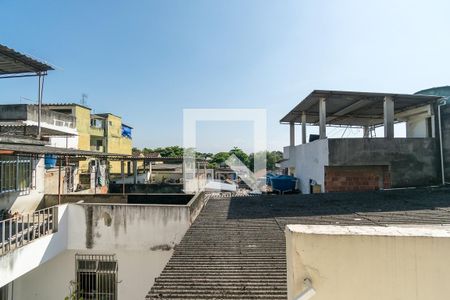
pixel 236 247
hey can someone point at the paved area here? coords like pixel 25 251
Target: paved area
pixel 236 247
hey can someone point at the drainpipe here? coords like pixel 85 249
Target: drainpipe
pixel 308 293
pixel 442 102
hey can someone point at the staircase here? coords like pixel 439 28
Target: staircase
pixel 234 250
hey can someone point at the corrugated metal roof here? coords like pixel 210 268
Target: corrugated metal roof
pixel 66 104
pixel 36 149
pixel 13 62
pixel 353 108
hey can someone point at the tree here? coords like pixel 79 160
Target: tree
pixel 272 157
pixel 243 157
pixel 172 151
pixel 219 159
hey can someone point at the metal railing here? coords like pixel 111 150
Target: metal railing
pixel 21 230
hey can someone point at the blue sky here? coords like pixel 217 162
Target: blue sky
pixel 147 60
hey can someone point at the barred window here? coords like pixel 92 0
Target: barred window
pixel 15 173
pixel 96 277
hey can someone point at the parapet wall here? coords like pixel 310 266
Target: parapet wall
pixel 370 263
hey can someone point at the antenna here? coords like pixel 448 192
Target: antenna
pixel 83 99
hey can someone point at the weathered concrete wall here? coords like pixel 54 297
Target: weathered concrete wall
pixel 310 162
pixel 445 123
pixel 371 263
pixel 412 161
pixel 133 227
pixel 13 112
pixel 49 116
pixel 52 199
pixel 196 205
pixel 52 181
pixel 141 236
pixel 160 198
pixel 443 91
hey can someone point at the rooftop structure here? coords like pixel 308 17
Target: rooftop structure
pixel 365 162
pixel 23 119
pixel 15 64
pixel 352 108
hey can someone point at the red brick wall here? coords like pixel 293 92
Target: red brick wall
pixel 356 178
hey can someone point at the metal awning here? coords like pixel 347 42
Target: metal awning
pixel 353 108
pixel 14 63
pixel 36 149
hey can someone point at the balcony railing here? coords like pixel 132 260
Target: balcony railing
pixel 21 230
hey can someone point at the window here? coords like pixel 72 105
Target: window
pixel 15 173
pixel 96 277
pixel 96 123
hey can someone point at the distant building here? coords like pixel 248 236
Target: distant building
pixel 366 162
pixel 22 119
pixel 98 132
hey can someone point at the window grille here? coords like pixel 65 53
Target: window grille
pixel 96 277
pixel 15 173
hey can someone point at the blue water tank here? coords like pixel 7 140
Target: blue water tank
pixel 50 161
pixel 283 183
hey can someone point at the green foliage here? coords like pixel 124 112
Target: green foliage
pixel 218 159
pixel 243 157
pixel 73 292
pixel 172 151
pixel 272 157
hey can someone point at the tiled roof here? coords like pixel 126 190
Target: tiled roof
pixel 236 247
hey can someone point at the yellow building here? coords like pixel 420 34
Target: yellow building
pixel 117 138
pixel 98 132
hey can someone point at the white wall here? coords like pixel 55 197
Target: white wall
pixel 370 263
pixel 64 142
pixel 22 260
pixel 51 281
pixel 141 236
pixel 133 227
pixel 141 178
pixel 310 159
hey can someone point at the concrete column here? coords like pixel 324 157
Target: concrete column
pixel 303 127
pixel 292 134
pixel 122 173
pixel 322 118
pixel 135 171
pixel 366 131
pixel 388 117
